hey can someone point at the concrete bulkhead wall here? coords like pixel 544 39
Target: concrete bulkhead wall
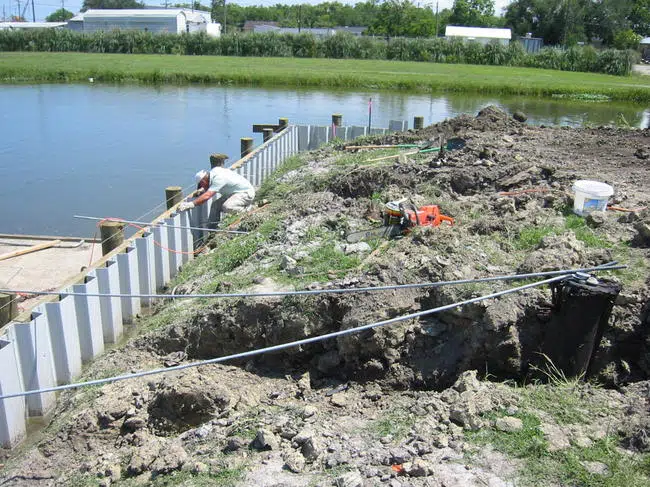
pixel 47 345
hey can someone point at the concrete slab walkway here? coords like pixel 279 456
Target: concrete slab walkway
pixel 43 270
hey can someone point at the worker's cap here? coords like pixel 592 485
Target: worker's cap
pixel 200 175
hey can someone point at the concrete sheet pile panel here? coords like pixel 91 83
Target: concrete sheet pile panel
pixel 318 135
pixel 303 137
pixel 358 131
pixel 187 241
pixel 256 164
pixel 161 259
pixel 127 263
pixel 198 215
pixel 174 244
pixel 398 125
pixel 89 318
pixel 64 336
pixel 109 283
pixel 12 411
pixel 34 355
pixel 146 265
pixel 342 133
pixel 378 131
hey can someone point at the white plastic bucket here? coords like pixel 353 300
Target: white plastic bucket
pixel 590 196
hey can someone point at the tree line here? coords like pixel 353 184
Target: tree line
pixel 617 23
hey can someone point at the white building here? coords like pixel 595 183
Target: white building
pixel 170 20
pixel 30 25
pixel 483 35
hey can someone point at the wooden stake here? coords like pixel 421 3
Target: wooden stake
pixel 8 308
pixel 28 250
pixel 173 196
pixel 394 156
pixel 246 145
pixel 112 234
pixel 218 160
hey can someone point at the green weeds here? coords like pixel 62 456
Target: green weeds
pixel 564 467
pixel 328 258
pixel 338 46
pixel 529 238
pixel 396 424
pixel 320 73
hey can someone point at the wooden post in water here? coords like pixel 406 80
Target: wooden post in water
pixel 218 160
pixel 337 119
pixel 173 195
pixel 418 123
pixel 283 123
pixel 8 308
pixel 246 145
pixel 268 133
pixel 112 234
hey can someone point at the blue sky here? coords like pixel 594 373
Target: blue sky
pixel 45 7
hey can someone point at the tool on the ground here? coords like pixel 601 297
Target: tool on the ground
pixel 399 218
pixel 28 250
pixel 451 144
pixel 383 146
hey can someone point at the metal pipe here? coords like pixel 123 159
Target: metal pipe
pixel 149 224
pixel 605 267
pixel 283 346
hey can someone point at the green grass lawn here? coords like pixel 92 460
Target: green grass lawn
pixel 329 73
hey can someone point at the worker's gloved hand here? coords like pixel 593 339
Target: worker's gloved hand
pixel 185 205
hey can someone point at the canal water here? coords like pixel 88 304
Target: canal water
pixel 109 151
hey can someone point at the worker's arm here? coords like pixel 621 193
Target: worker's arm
pixel 204 198
pixel 188 205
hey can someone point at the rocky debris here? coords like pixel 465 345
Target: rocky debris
pixel 265 440
pixel 519 116
pixel 555 436
pixel 508 424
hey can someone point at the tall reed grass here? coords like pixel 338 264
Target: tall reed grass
pixel 339 46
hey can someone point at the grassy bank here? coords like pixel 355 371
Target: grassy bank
pixel 316 73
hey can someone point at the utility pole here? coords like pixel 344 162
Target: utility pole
pixel 33 12
pixel 436 19
pixel 299 17
pixel 225 16
pixel 4 13
pixel 18 16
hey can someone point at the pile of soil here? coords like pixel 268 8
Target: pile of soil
pixel 391 405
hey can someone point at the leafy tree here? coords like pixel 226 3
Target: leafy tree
pixel 473 13
pixel 402 18
pixel 556 21
pixel 61 15
pixel 626 39
pixel 109 4
pixel 640 17
pixel 196 6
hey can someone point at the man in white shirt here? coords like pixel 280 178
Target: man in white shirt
pixel 236 192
